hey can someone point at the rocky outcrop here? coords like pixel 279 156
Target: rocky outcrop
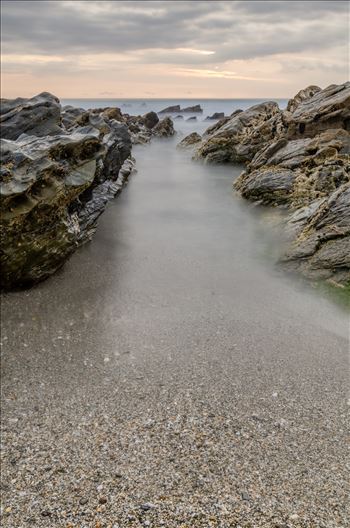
pixel 239 137
pixel 40 115
pixel 306 167
pixel 60 167
pixel 56 179
pixel 321 244
pixel 297 158
pixel 189 141
pixel 328 108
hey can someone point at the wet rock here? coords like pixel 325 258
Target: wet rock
pixel 179 117
pixel 193 118
pixel 40 116
pixel 190 140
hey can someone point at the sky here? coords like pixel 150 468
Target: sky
pixel 172 49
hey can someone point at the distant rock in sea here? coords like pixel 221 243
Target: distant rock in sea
pixel 175 109
pixel 216 115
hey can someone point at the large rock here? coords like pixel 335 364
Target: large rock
pixel 321 246
pixel 328 108
pixel 53 189
pixel 40 115
pixel 306 166
pixel 238 138
pixel 306 169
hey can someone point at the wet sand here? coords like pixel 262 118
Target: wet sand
pixel 170 376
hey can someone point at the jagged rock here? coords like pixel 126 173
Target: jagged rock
pixel 40 115
pixel 53 189
pixel 268 185
pixel 239 137
pixel 305 165
pixel 165 128
pixel 216 115
pixel 109 112
pixel 314 167
pixel 301 96
pixel 193 118
pixel 190 140
pixel 74 117
pixel 321 248
pixel 150 119
pixel 328 108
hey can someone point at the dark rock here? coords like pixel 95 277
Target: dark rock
pixel 193 118
pixel 147 506
pixel 216 115
pixel 83 501
pixel 170 110
pixel 150 119
pixel 268 186
pixel 245 496
pixel 193 109
pixel 179 117
pixel 40 116
pixel 102 500
pixel 53 189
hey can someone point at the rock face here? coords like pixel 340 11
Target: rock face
pixel 56 179
pixel 190 141
pixel 40 115
pixel 321 245
pixel 298 159
pixel 239 137
pixel 306 168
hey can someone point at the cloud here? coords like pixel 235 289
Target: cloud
pixel 243 29
pixel 253 39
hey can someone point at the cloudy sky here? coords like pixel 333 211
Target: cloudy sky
pixel 172 48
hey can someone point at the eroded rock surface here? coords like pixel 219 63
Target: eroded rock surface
pixel 297 158
pixel 239 137
pixel 59 169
